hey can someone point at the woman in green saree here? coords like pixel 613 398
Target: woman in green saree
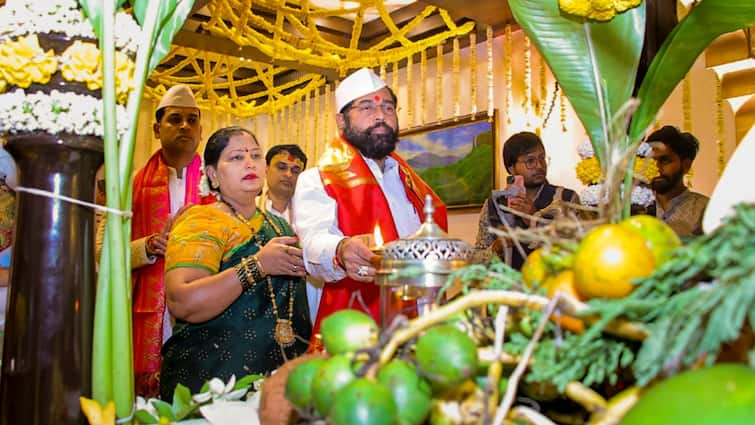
pixel 234 277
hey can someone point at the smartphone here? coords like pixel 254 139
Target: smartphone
pixel 514 185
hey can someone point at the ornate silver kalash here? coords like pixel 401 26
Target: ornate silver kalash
pixel 435 256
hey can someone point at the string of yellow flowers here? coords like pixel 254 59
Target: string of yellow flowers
pixel 509 70
pixel 562 110
pixel 317 121
pixel 489 48
pixel 687 104
pixel 394 75
pixel 307 124
pixel 543 89
pixel 473 71
pixel 439 82
pixel 423 86
pixel 589 171
pixel 687 117
pixel 599 10
pixel 527 79
pixel 456 70
pixel 328 114
pixel 720 127
pixel 382 71
pixel 409 91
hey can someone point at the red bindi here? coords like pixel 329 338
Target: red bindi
pixel 377 98
pixel 291 158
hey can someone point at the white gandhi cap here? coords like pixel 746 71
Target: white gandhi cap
pixel 178 96
pixel 361 82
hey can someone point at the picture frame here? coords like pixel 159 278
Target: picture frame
pixel 456 158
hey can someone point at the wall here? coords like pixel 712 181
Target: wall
pixel 310 124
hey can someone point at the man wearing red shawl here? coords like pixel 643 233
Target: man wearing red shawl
pixel 359 182
pixel 169 181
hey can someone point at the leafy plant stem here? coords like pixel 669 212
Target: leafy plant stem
pixel 600 148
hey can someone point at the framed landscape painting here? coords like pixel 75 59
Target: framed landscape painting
pixel 456 158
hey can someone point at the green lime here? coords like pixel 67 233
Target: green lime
pixel 717 395
pixel 299 383
pixel 410 392
pixel 347 331
pixel 659 237
pixel 333 375
pixel 446 356
pixel 363 402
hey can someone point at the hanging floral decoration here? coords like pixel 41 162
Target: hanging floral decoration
pixel 590 174
pixel 24 61
pixel 599 10
pixel 720 127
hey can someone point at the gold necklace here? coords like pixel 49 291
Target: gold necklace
pixel 284 329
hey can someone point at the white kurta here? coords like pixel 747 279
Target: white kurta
pixel 316 222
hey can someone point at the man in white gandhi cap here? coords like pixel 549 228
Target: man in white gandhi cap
pixel 169 181
pixel 359 183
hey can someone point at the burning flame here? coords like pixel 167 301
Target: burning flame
pixel 378 237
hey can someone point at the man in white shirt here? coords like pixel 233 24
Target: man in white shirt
pixel 359 183
pixel 168 182
pixel 284 164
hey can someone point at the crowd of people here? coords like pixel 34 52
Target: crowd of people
pixel 238 281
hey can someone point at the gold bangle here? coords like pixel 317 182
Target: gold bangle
pixel 255 268
pixel 243 273
pixel 339 253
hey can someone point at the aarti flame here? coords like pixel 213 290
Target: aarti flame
pixel 378 237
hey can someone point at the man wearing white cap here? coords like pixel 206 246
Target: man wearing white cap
pixel 359 183
pixel 169 181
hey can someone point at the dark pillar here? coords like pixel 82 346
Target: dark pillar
pixel 48 333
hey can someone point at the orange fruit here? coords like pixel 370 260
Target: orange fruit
pixel 607 260
pixel 659 237
pixel 534 270
pixel 564 282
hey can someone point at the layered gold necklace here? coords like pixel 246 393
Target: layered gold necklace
pixel 284 329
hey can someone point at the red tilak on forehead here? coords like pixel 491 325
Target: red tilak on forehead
pixel 377 98
pixel 291 158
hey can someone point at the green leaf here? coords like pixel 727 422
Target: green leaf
pixel 707 20
pixel 145 418
pixel 594 62
pixel 164 409
pixel 247 381
pixel 171 18
pixel 181 398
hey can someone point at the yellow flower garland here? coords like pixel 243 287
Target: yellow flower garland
pixel 589 172
pixel 599 10
pixel 23 62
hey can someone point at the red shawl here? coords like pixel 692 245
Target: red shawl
pixel 151 210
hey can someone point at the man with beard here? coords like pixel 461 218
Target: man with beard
pixel 523 155
pixel 359 183
pixel 676 205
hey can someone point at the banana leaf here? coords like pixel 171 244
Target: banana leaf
pixel 594 62
pixel 707 20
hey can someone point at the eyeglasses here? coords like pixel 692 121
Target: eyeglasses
pixel 370 108
pixel 532 161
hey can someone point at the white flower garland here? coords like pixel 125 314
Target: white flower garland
pixel 22 17
pixel 55 113
pixel 590 195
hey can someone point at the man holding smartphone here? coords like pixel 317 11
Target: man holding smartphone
pixel 527 192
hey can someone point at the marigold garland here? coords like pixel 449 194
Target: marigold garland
pixel 329 113
pixel 491 93
pixel 527 79
pixel 562 110
pixel 394 75
pixel 509 71
pixel 439 82
pixel 599 10
pixel 456 70
pixel 543 89
pixel 687 117
pixel 720 127
pixel 409 91
pixel 473 71
pixel 423 86
pixel 316 125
